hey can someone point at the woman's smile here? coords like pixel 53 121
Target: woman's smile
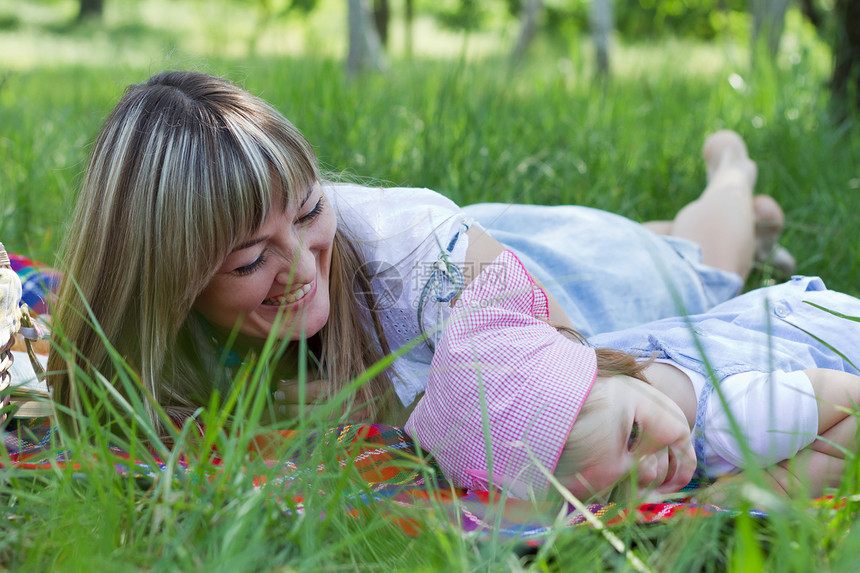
pixel 298 295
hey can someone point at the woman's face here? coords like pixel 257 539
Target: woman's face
pixel 279 275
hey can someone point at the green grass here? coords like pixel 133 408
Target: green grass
pixel 477 131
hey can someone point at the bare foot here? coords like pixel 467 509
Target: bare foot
pixel 769 221
pixel 726 150
pixel 721 220
pixel 726 159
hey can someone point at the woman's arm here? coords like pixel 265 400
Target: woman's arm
pixel 483 250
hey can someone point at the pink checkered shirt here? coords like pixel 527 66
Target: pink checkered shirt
pixel 503 382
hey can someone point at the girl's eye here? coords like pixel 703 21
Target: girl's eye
pixel 635 434
pixel 248 269
pixel 313 213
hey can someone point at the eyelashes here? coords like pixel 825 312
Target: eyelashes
pixel 306 219
pixel 313 213
pixel 248 269
pixel 635 435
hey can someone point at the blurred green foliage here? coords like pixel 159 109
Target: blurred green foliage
pixel 700 19
pixel 635 19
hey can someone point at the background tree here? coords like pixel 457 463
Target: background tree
pixel 466 16
pixel 643 19
pixel 846 55
pixel 382 17
pixel 530 11
pixel 768 24
pixel 365 49
pixel 268 11
pixel 842 31
pixel 812 13
pixel 601 28
pixel 91 10
pixel 408 20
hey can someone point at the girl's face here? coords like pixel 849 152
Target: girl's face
pixel 278 275
pixel 644 436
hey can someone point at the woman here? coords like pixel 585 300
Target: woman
pixel 203 225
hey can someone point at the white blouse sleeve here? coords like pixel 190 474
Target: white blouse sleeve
pixel 777 413
pixel 401 233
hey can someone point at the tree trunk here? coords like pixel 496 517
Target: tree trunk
pixel 381 17
pixel 409 18
pixel 601 28
pixel 812 13
pixel 846 55
pixel 768 24
pixel 529 15
pixel 90 9
pixel 365 49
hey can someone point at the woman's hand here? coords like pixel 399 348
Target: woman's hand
pixel 292 399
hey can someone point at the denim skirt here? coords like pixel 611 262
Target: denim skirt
pixel 606 271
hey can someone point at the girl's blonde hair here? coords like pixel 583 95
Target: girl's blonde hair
pixel 186 166
pixel 579 452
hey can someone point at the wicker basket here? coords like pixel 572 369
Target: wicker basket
pixel 5 355
pixel 5 379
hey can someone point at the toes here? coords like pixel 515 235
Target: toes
pixel 721 147
pixel 779 260
pixel 769 220
pixel 767 210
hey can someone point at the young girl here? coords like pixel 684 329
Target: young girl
pixel 749 382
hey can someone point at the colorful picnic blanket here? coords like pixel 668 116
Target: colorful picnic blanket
pixel 385 459
pixel 384 456
pixel 38 282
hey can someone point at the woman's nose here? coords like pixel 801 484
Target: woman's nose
pixel 297 270
pixel 285 277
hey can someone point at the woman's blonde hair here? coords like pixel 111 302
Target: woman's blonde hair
pixel 186 166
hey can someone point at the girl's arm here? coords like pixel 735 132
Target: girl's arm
pixel 817 466
pixel 838 395
pixel 820 464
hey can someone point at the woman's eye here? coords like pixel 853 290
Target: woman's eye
pixel 248 269
pixel 633 439
pixel 313 213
